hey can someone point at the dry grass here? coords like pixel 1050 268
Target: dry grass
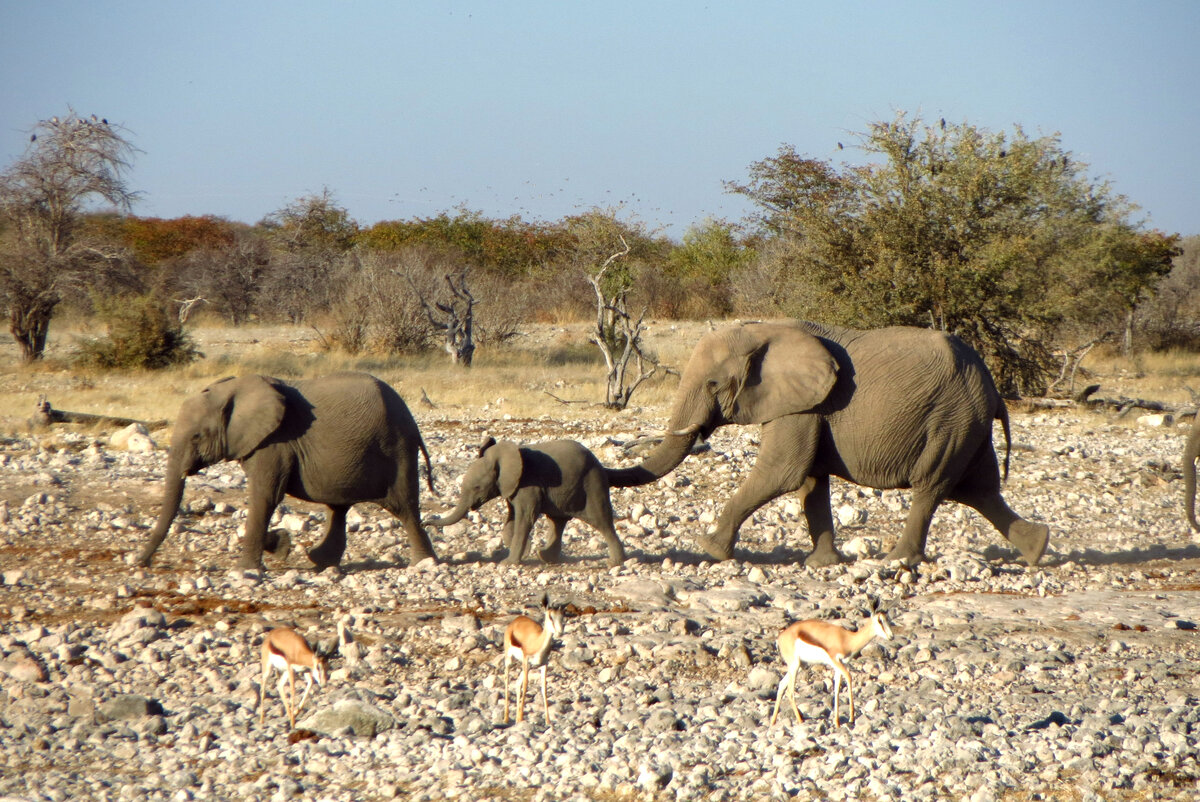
pixel 1164 376
pixel 520 380
pixel 515 380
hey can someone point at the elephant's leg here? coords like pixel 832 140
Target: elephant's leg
pixel 910 548
pixel 264 498
pixel 980 490
pixel 599 516
pixel 616 550
pixel 1030 538
pixel 404 501
pixel 552 553
pixel 523 519
pixel 787 452
pixel 507 530
pixel 328 553
pixel 819 516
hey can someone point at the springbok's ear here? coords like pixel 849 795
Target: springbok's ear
pixel 327 649
pixel 545 601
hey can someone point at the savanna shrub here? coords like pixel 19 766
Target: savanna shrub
pixel 142 333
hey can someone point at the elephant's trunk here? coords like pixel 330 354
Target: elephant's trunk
pixel 1190 453
pixel 454 517
pixel 659 462
pixel 172 497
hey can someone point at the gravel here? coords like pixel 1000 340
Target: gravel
pixel 1075 680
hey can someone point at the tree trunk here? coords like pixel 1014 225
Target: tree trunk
pixel 30 324
pixel 1127 340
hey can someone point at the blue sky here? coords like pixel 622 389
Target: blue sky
pixel 544 109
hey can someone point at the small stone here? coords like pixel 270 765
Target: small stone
pixel 25 668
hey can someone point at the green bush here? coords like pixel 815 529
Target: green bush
pixel 141 334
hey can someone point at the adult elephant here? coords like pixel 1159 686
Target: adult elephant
pixel 336 440
pixel 887 408
pixel 1191 451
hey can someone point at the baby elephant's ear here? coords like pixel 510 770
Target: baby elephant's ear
pixel 508 457
pixel 487 443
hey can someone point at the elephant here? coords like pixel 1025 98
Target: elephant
pixel 335 440
pixel 560 479
pixel 895 407
pixel 1191 451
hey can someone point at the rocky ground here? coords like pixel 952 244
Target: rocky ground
pixel 1076 680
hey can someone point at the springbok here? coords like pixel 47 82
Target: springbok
pixel 815 642
pixel 285 649
pixel 524 639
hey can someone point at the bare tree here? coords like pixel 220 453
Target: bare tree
pixel 377 310
pixel 68 164
pixel 228 277
pixel 311 239
pixel 618 335
pixel 455 318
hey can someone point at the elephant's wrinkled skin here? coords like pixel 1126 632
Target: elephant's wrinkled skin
pixel 1191 451
pixel 560 479
pixel 337 440
pixel 888 408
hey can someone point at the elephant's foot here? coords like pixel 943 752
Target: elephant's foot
pixel 323 557
pixel 715 546
pixel 278 543
pixel 1030 539
pixel 616 555
pixel 906 553
pixel 421 553
pixel 552 554
pixel 824 551
pixel 251 563
pixel 823 556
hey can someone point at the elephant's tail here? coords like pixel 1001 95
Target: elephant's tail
pixel 1002 415
pixel 428 466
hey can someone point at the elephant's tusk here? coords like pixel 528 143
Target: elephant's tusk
pixel 687 431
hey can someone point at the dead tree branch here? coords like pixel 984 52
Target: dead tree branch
pixel 186 306
pixel 618 335
pixel 456 318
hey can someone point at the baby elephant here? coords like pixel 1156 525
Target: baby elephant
pixel 560 479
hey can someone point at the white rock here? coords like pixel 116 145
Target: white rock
pixel 1162 419
pixel 849 515
pixel 294 523
pixel 133 437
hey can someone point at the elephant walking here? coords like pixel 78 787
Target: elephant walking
pixel 560 479
pixel 1191 451
pixel 887 408
pixel 337 440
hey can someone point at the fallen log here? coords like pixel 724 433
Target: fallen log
pixel 1122 405
pixel 45 415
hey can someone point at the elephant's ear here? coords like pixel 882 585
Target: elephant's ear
pixel 255 411
pixel 487 443
pixel 508 459
pixel 787 371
